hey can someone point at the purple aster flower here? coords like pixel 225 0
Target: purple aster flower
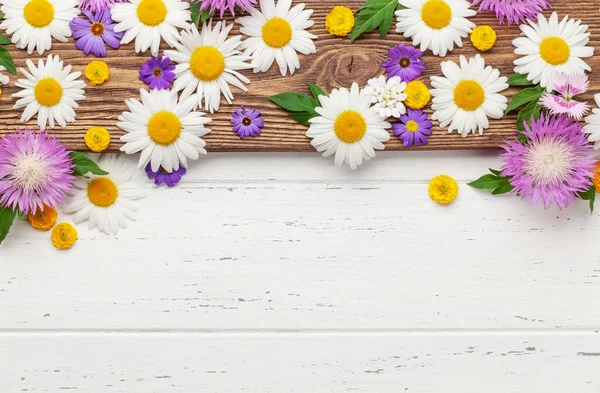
pixel 35 170
pixel 554 165
pixel 514 11
pixel 414 128
pixel 97 5
pixel 158 73
pixel 222 5
pixel 92 35
pixel 169 178
pixel 247 123
pixel 405 62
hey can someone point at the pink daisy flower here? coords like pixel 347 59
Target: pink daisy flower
pixel 567 87
pixel 96 6
pixel 514 11
pixel 222 5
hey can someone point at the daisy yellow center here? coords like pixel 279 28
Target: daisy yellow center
pixel 207 63
pixel 412 126
pixel 436 14
pixel 48 92
pixel 164 128
pixel 555 50
pixel 277 32
pixel 97 29
pixel 350 126
pixel 102 192
pixel 469 95
pixel 152 12
pixel 39 13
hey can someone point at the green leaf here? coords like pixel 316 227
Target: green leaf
pixel 2 14
pixel 495 171
pixel 519 80
pixel 533 109
pixel 7 61
pixel 4 40
pixel 294 102
pixel 303 117
pixel 373 14
pixel 589 195
pixel 316 92
pixel 525 96
pixel 7 217
pixel 503 188
pixel 84 165
pixel 487 182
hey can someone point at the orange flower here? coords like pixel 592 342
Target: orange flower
pixel 44 219
pixel 596 179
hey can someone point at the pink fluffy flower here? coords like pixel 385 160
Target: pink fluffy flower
pixel 222 5
pixel 514 11
pixel 567 87
pixel 96 6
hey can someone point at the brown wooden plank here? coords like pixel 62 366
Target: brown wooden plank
pixel 336 63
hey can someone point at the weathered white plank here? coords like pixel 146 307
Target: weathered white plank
pixel 300 363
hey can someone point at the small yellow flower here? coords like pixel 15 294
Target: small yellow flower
pixel 483 38
pixel 44 219
pixel 97 139
pixel 97 72
pixel 64 235
pixel 596 179
pixel 340 21
pixel 443 189
pixel 417 95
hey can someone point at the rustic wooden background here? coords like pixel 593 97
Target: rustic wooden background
pixel 336 63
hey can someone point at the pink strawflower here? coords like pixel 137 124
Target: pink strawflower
pixel 514 11
pixel 223 5
pixel 567 87
pixel 96 6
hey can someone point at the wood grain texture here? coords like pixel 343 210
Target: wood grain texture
pixel 336 63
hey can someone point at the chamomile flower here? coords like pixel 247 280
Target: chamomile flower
pixel 550 46
pixel 51 91
pixel 348 127
pixel 33 23
pixel 277 33
pixel 150 20
pixel 468 95
pixel 164 129
pixel 106 202
pixel 435 24
pixel 208 62
pixel 592 126
pixel 387 96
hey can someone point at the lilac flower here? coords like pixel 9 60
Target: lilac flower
pixel 158 73
pixel 35 170
pixel 414 128
pixel 514 11
pixel 553 166
pixel 96 6
pixel 169 178
pixel 247 123
pixel 93 35
pixel 405 62
pixel 567 86
pixel 222 5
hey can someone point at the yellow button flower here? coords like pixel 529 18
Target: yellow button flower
pixel 340 21
pixel 97 139
pixel 417 94
pixel 64 235
pixel 97 72
pixel 483 38
pixel 596 179
pixel 44 219
pixel 443 189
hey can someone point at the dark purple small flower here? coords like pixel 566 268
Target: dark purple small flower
pixel 169 178
pixel 405 62
pixel 414 128
pixel 247 123
pixel 158 73
pixel 94 34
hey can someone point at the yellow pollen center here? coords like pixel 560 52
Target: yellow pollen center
pixel 152 12
pixel 350 126
pixel 48 92
pixel 555 50
pixel 102 192
pixel 277 32
pixel 39 13
pixel 207 63
pixel 436 14
pixel 164 128
pixel 412 126
pixel 97 29
pixel 469 95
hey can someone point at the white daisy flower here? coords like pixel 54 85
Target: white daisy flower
pixel 51 91
pixel 165 130
pixel 106 202
pixel 208 64
pixel 348 126
pixel 549 47
pixel 435 24
pixel 387 95
pixel 276 34
pixel 467 95
pixel 150 20
pixel 33 23
pixel 592 125
pixel 3 78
